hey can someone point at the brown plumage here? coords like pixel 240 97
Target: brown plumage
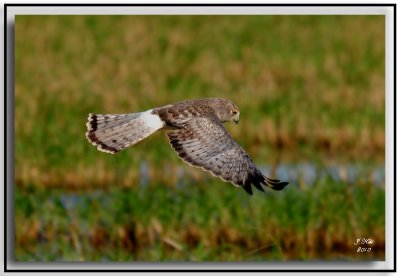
pixel 195 130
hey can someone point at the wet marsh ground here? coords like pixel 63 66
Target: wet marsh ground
pixel 311 93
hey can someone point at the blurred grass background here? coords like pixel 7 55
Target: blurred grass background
pixel 310 90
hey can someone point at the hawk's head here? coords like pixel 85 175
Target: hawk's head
pixel 235 115
pixel 226 110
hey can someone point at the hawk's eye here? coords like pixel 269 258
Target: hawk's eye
pixel 234 112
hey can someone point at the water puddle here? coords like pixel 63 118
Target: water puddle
pixel 309 173
pixel 304 172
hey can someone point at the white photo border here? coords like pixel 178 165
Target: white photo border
pixel 389 10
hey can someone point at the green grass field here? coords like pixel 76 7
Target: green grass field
pixel 202 222
pixel 311 89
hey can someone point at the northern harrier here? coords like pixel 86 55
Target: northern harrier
pixel 196 133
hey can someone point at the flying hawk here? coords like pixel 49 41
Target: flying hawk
pixel 195 131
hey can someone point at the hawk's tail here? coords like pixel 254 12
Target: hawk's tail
pixel 114 132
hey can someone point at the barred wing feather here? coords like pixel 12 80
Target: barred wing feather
pixel 203 142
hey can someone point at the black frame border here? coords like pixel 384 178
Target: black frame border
pixel 7 153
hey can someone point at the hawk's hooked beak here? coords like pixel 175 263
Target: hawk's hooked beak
pixel 235 118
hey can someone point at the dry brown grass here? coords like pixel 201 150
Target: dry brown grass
pixel 136 239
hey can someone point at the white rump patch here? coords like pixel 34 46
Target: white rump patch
pixel 152 121
pixel 114 132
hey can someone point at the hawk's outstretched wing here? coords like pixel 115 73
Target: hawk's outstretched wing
pixel 203 142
